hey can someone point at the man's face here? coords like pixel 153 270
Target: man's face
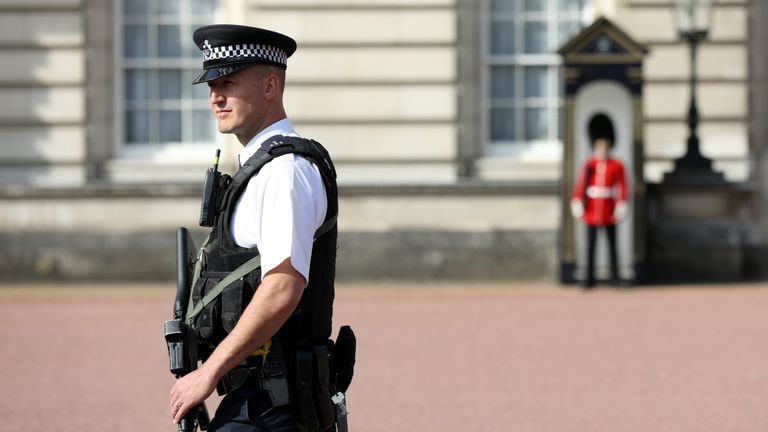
pixel 601 148
pixel 237 102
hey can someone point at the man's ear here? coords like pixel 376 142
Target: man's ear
pixel 271 87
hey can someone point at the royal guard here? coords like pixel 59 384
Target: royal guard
pixel 600 195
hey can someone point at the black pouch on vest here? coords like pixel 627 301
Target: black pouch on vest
pixel 305 405
pixel 204 321
pixel 231 305
pixel 220 316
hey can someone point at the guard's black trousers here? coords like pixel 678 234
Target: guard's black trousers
pixel 249 410
pixel 610 231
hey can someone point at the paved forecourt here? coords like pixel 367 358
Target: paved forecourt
pixel 432 357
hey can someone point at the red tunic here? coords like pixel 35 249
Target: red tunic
pixel 598 196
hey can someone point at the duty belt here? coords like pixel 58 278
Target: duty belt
pixel 239 377
pixel 268 374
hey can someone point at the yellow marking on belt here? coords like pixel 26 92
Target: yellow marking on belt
pixel 263 351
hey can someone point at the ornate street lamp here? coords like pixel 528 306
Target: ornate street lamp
pixel 693 20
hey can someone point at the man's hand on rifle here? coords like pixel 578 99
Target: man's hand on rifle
pixel 190 390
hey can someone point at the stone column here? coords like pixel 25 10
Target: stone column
pixel 758 137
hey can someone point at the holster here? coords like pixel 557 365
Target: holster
pixel 313 389
pixel 322 375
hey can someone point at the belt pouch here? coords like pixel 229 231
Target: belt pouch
pixel 233 380
pixel 273 377
pixel 304 403
pixel 321 391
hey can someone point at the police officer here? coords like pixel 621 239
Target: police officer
pixel 277 214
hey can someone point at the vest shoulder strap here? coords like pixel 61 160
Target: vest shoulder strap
pixel 280 145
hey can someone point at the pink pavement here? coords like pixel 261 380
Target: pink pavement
pixel 431 357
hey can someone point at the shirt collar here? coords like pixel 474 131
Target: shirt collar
pixel 282 127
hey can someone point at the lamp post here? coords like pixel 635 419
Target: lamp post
pixel 693 18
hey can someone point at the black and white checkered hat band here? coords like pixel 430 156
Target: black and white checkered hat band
pixel 262 52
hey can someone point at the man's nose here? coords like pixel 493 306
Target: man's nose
pixel 216 97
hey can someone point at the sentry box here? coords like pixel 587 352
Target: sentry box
pixel 603 75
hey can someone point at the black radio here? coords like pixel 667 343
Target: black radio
pixel 211 187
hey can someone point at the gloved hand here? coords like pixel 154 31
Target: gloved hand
pixel 620 210
pixel 577 209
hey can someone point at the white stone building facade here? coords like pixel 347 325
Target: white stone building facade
pixel 443 116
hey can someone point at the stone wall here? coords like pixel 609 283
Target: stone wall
pixel 362 256
pixel 42 118
pixel 455 232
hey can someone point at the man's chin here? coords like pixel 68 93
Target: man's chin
pixel 225 129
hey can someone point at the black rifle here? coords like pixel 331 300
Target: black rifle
pixel 181 340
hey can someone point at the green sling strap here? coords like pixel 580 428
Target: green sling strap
pixel 249 266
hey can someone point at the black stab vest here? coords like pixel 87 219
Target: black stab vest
pixel 310 323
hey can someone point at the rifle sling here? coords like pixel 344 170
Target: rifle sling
pixel 249 266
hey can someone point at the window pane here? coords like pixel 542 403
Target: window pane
pixel 536 81
pixel 203 7
pixel 137 84
pixel 524 99
pixel 199 91
pixel 161 104
pixel 136 41
pixel 535 37
pixel 196 91
pixel 535 123
pixel 169 41
pixel 566 30
pixel 190 49
pixel 570 5
pixel 170 84
pixel 202 127
pixel 170 7
pixel 135 7
pixel 170 126
pixel 502 38
pixel 535 5
pixel 502 124
pixel 503 5
pixel 136 126
pixel 502 82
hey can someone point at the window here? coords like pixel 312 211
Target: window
pixel 157 63
pixel 523 84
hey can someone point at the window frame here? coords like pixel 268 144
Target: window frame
pixel 158 151
pixel 554 102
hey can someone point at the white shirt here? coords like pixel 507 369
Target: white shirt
pixel 281 207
